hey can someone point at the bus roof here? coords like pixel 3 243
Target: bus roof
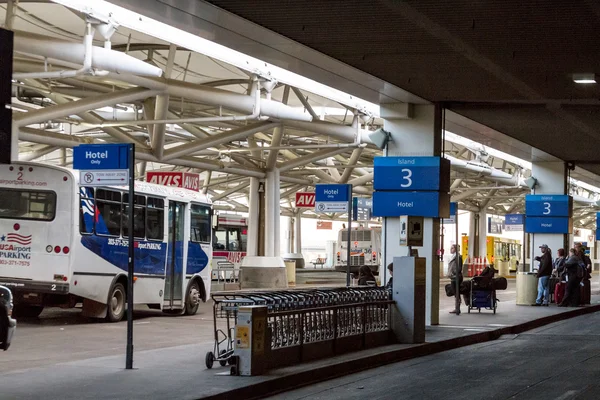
pixel 185 195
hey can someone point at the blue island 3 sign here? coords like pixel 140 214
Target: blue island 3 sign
pixel 545 213
pixel 412 186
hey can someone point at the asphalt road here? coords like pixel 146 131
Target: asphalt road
pixel 60 335
pixel 560 361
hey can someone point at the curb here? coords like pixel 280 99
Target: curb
pixel 323 373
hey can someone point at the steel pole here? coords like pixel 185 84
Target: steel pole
pixel 349 234
pixel 130 266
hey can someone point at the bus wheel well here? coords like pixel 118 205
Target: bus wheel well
pixel 122 279
pixel 198 279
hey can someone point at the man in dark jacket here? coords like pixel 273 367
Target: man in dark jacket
pixel 455 274
pixel 544 272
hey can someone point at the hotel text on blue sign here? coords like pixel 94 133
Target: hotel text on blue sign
pixel 332 193
pixel 514 219
pixel 101 156
pixel 545 205
pixel 548 225
pixel 411 173
pixel 414 204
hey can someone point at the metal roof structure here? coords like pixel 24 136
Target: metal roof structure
pixel 87 78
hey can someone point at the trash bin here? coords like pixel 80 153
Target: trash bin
pixel 526 288
pixel 290 267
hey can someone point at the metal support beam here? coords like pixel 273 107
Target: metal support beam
pixel 34 155
pixel 352 161
pixel 215 140
pixel 361 180
pixel 319 155
pixel 77 107
pixel 158 137
pixel 275 142
pixel 305 103
pixel 231 191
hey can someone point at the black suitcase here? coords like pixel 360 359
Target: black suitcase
pixel 500 283
pixel 450 290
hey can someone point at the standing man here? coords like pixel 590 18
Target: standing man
pixel 544 272
pixel 456 277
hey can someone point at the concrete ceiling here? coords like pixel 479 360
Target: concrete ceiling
pixel 506 64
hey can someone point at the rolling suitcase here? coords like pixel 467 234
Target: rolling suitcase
pixel 559 292
pixel 585 296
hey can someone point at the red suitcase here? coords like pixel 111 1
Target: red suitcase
pixel 585 296
pixel 559 292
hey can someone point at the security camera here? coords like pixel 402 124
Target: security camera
pixel 380 138
pixel 531 182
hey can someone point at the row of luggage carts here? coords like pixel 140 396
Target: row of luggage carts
pixel 227 304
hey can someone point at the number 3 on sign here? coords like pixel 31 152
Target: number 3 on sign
pixel 546 208
pixel 406 175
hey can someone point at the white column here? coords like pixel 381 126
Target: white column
pixel 253 218
pixel 482 234
pixel 289 243
pixel 298 234
pixel 472 234
pixel 272 220
pixel 552 179
pixel 419 136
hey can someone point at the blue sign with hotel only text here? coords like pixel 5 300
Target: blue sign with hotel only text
pixel 548 205
pixel 548 225
pixel 332 193
pixel 514 219
pixel 411 173
pixel 101 156
pixel 417 204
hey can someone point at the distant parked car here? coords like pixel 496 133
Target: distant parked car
pixel 7 323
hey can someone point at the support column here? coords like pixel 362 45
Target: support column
pixel 289 243
pixel 419 136
pixel 482 233
pixel 473 233
pixel 298 233
pixel 552 179
pixel 253 218
pixel 272 214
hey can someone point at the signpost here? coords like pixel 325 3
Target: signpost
pixel 514 222
pixel 336 198
pixel 361 209
pixel 112 164
pixel 6 61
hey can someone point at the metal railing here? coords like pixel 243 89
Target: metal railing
pixel 315 323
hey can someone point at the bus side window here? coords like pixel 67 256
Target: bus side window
pixel 200 224
pixel 155 217
pixel 139 212
pixel 108 203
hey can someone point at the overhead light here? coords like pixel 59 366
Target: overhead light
pixel 584 78
pixel 531 182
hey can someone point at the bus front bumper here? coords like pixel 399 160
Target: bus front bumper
pixel 31 286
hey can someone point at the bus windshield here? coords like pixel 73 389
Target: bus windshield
pixel 27 204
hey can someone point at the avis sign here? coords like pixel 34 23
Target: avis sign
pixel 305 200
pixel 183 180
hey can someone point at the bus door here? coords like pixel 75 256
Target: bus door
pixel 174 271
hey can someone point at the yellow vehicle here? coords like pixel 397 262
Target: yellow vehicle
pixel 504 254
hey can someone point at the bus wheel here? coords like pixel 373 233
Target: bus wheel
pixel 24 311
pixel 192 299
pixel 116 303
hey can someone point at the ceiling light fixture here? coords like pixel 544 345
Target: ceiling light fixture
pixel 584 78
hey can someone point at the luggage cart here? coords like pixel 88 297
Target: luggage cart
pixel 482 297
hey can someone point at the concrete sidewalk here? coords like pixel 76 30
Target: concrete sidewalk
pixel 179 372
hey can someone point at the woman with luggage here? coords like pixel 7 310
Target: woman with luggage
pixel 573 275
pixel 557 273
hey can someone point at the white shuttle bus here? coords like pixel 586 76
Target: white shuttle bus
pixel 365 249
pixel 62 244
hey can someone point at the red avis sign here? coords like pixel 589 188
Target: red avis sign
pixel 305 200
pixel 185 180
